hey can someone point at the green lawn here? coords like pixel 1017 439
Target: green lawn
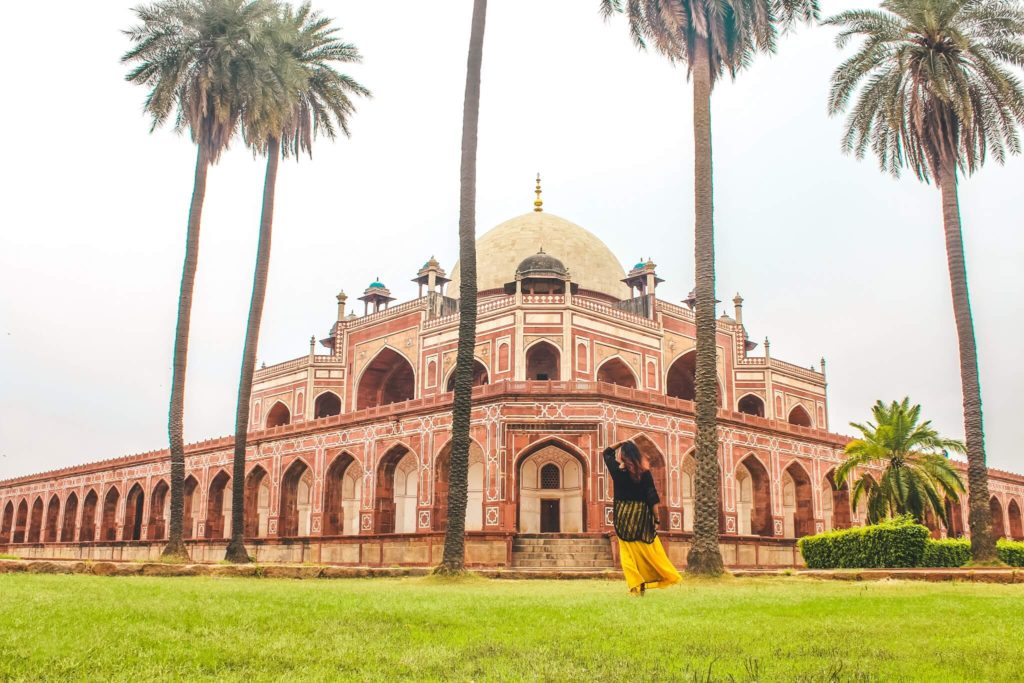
pixel 138 629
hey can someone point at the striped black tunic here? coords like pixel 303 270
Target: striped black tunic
pixel 634 502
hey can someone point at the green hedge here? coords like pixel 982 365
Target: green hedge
pixel 946 552
pixel 1011 552
pixel 897 542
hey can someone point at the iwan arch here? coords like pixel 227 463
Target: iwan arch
pixel 350 445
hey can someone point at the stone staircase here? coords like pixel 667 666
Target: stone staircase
pixel 562 551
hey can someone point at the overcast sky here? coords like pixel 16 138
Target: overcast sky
pixel 833 258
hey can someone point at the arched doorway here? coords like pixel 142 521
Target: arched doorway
pixel 389 378
pixel 681 382
pixel 36 521
pixel 218 507
pixel 551 491
pixel 256 503
pixel 753 498
pixel 67 527
pixel 343 496
pixel 751 405
pixel 996 509
pixel 1016 524
pixel 108 523
pixel 797 505
pixel 296 500
pixel 543 362
pixel 278 416
pixel 615 371
pixel 835 503
pixel 52 519
pixel 954 518
pixel 191 506
pixel 480 376
pixel 7 525
pixel 159 511
pixel 327 404
pixel 133 506
pixel 21 522
pixel 799 417
pixel 475 488
pixel 397 489
pixel 89 505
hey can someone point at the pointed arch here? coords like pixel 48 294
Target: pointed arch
pixel 388 378
pixel 191 507
pixel 159 511
pixel 837 513
pixel 751 404
pixel 569 515
pixel 21 522
pixel 327 404
pixel 35 521
pixel 278 415
pixel 256 505
pixel 543 361
pixel 343 492
pixel 996 509
pixel 753 497
pixel 954 518
pixel 218 507
pixel 475 487
pixel 800 417
pixel 50 529
pixel 134 505
pixel 89 505
pixel 797 501
pixel 397 491
pixel 108 521
pixel 7 525
pixel 480 376
pixel 687 485
pixel 1016 523
pixel 67 527
pixel 296 500
pixel 615 370
pixel 681 378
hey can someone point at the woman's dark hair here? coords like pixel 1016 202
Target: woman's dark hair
pixel 633 461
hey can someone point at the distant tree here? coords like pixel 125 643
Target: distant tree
pixel 917 476
pixel 192 55
pixel 711 37
pixel 297 95
pixel 453 558
pixel 933 91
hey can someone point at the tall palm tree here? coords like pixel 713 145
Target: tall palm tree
pixel 934 92
pixel 191 54
pixel 711 37
pixel 917 478
pixel 454 556
pixel 298 95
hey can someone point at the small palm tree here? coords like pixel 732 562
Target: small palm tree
pixel 917 477
pixel 711 37
pixel 454 556
pixel 296 95
pixel 934 92
pixel 191 55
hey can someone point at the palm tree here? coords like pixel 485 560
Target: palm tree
pixel 933 92
pixel 191 55
pixel 917 477
pixel 454 555
pixel 297 96
pixel 711 37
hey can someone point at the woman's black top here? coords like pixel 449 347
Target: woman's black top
pixel 634 502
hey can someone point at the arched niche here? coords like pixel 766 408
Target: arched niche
pixel 191 507
pixel 681 379
pixel 797 502
pixel 108 523
pixel 256 503
pixel 278 415
pixel 51 528
pixel 133 507
pixel 615 371
pixel 326 404
pixel 996 509
pixel 551 510
pixel 89 505
pixel 296 500
pixel 543 362
pixel 218 507
pixel 397 490
pixel 159 511
pixel 751 404
pixel 687 483
pixel 753 498
pixel 954 518
pixel 1016 523
pixel 480 376
pixel 475 488
pixel 7 523
pixel 67 528
pixel 35 521
pixel 343 496
pixel 389 378
pixel 835 503
pixel 799 416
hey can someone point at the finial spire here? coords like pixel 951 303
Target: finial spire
pixel 538 205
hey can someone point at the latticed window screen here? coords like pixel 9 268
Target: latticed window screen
pixel 550 477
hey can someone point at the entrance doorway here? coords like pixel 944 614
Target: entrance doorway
pixel 550 516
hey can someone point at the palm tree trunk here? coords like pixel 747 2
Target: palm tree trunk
pixel 704 557
pixel 983 548
pixel 175 548
pixel 454 557
pixel 236 551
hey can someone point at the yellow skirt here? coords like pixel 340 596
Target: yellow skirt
pixel 647 563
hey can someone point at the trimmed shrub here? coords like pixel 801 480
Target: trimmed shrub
pixel 946 552
pixel 898 542
pixel 1011 552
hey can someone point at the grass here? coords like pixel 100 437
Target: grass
pixel 147 628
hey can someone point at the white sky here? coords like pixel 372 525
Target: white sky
pixel 832 257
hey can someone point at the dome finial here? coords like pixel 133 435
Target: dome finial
pixel 538 205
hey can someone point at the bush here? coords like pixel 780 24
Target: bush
pixel 946 552
pixel 1011 552
pixel 898 542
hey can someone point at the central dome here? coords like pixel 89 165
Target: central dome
pixel 591 264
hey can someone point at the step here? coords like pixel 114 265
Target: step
pixel 561 547
pixel 573 563
pixel 562 556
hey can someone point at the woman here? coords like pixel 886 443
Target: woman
pixel 637 505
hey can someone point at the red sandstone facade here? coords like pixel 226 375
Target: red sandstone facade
pixel 349 450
